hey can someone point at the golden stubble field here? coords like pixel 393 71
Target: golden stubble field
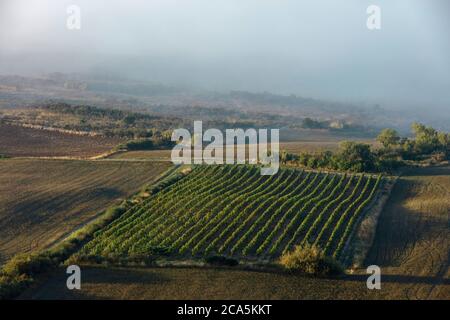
pixel 41 201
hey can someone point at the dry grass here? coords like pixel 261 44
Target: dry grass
pixel 43 200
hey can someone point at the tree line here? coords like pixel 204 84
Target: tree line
pixel 395 151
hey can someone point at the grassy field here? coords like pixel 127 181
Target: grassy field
pixel 411 246
pixel 234 210
pixel 16 141
pixel 43 200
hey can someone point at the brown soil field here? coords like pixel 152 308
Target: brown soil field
pixel 194 283
pixel 142 155
pixel 16 141
pixel 41 201
pixel 411 246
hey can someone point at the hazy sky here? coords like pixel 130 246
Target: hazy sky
pixel 317 48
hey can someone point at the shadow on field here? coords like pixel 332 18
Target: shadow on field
pixel 123 276
pixel 106 192
pixel 404 279
pixel 438 170
pixel 45 205
pixel 399 228
pixel 92 280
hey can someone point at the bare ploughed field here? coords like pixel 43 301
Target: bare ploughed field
pixel 44 200
pixel 17 141
pixel 412 246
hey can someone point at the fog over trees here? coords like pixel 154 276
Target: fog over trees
pixel 319 49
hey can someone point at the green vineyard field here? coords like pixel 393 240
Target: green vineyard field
pixel 235 211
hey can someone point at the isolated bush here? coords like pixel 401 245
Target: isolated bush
pixel 221 261
pixel 310 259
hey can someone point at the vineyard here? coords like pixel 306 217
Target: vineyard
pixel 41 201
pixel 235 211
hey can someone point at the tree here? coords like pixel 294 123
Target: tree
pixel 426 139
pixel 444 141
pixel 312 124
pixel 388 138
pixel 355 156
pixel 129 120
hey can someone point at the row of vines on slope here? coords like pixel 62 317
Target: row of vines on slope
pixel 233 210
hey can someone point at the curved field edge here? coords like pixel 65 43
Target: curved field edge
pixel 187 216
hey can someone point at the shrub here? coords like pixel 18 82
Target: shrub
pixel 18 273
pixel 78 258
pixel 146 144
pixel 28 264
pixel 438 156
pixel 221 261
pixel 310 259
pixel 142 144
pixel 388 138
